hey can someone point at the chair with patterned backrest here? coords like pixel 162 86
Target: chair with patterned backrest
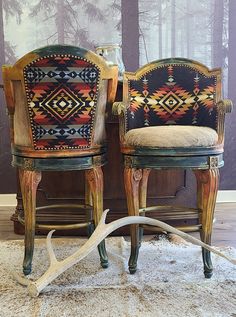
pixel 172 116
pixel 56 98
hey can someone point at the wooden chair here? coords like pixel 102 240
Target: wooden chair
pixel 172 116
pixel 56 98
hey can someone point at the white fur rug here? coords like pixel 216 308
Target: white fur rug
pixel 169 282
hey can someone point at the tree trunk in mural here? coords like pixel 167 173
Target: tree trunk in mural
pixel 2 46
pixel 217 34
pixel 160 27
pixel 6 172
pixel 2 61
pixel 68 17
pixel 187 27
pixel 60 21
pixel 58 10
pixel 130 34
pixel 173 33
pixel 228 173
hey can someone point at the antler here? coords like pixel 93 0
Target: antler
pixel 101 232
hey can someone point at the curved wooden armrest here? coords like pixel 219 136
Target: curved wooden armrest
pixel 118 108
pixel 112 84
pixel 225 105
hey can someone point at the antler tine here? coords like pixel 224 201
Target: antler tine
pixel 51 253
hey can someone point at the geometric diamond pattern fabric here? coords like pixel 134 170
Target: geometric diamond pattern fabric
pixel 62 96
pixel 172 94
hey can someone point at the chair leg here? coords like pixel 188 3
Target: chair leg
pixel 88 202
pixel 95 179
pixel 207 185
pixel 143 197
pixel 132 177
pixel 29 181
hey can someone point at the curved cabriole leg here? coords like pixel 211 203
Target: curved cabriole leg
pixel 88 202
pixel 29 181
pixel 95 179
pixel 132 177
pixel 207 184
pixel 143 197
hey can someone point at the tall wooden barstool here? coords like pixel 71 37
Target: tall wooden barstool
pixel 56 98
pixel 172 117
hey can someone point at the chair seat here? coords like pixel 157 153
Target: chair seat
pixel 172 136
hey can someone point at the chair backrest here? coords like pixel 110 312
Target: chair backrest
pixel 56 96
pixel 172 91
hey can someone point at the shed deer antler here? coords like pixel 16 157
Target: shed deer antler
pixel 101 232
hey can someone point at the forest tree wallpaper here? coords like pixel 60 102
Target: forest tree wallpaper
pixel 147 30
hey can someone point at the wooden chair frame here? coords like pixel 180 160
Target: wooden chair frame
pixel 31 163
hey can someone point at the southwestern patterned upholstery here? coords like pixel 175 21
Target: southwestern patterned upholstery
pixel 172 93
pixel 62 98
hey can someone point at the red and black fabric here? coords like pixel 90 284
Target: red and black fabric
pixel 62 95
pixel 172 94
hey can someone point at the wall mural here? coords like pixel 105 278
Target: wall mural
pixel 184 28
pixel 146 29
pixel 42 22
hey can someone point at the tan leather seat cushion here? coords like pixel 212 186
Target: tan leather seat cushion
pixel 172 136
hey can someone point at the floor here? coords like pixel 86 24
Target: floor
pixel 224 230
